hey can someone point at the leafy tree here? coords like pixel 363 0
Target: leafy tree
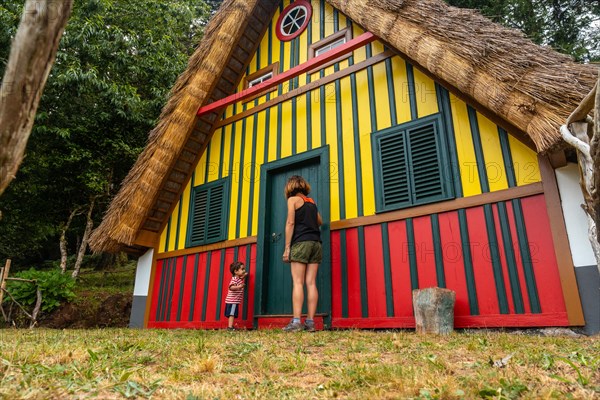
pixel 115 65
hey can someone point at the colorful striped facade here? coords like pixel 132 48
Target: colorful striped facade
pixel 493 242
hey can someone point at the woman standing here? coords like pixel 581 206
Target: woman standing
pixel 302 250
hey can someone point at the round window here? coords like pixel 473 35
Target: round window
pixel 293 20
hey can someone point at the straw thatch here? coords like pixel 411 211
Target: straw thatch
pixel 530 87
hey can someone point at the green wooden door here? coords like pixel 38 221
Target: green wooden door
pixel 277 283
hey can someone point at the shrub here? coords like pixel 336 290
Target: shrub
pixel 55 288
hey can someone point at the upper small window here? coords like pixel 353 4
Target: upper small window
pixel 330 46
pixel 329 43
pixel 260 79
pixel 293 20
pixel 260 76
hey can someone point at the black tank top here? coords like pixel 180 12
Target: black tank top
pixel 306 225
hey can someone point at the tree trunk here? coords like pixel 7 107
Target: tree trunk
pixel 63 241
pixel 84 241
pixel 31 57
pixel 434 310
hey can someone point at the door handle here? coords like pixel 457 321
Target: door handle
pixel 275 237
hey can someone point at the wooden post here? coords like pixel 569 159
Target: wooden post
pixel 3 277
pixel 434 310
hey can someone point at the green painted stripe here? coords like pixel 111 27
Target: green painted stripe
pixel 362 257
pixel 168 234
pixel 511 262
pixel 357 154
pixel 495 256
pixel 372 97
pixel 412 93
pixel 270 45
pixel 207 151
pixel 181 288
pixel 439 255
pixel 292 81
pixel 194 287
pixel 507 157
pixel 206 284
pixel 336 20
pixel 221 153
pixel 232 145
pixel 248 260
pixel 387 270
pixel 445 107
pixel 391 91
pixel 258 58
pixel 534 300
pixel 267 131
pixel 252 176
pixel 178 222
pixel 241 175
pixel 468 262
pixel 160 292
pixel 220 289
pixel 322 19
pixel 483 178
pixel 412 254
pixel 188 233
pixel 340 140
pixel 344 272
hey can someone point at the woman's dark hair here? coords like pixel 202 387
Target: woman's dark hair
pixel 296 184
pixel 236 265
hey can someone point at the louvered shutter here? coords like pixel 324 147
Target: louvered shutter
pixel 426 164
pixel 208 214
pixel 394 170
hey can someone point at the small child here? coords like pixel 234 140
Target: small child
pixel 235 294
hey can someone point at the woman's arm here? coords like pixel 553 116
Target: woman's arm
pixel 319 219
pixel 289 227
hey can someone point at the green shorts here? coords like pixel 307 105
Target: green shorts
pixel 306 252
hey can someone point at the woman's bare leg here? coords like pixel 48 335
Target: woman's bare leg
pixel 298 273
pixel 311 289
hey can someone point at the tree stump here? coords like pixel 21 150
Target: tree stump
pixel 434 310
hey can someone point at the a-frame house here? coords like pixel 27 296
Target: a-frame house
pixel 429 135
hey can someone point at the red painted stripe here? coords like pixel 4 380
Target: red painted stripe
pixel 514 320
pixel 454 267
pixel 372 323
pixel 336 276
pixel 375 272
pixel 155 290
pixel 313 63
pixel 213 286
pixel 187 289
pixel 250 282
pixel 425 252
pixel 518 258
pixel 400 266
pixel 482 264
pixel 176 289
pixel 200 287
pixel 501 251
pixel 353 266
pixel 541 246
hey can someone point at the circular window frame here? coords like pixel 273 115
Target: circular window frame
pixel 286 11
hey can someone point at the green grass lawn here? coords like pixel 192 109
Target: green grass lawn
pixel 184 364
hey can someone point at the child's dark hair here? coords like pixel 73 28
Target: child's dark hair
pixel 235 266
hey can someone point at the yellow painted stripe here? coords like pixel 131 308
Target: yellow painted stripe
pixel 234 182
pixel 286 129
pixel 260 154
pixel 347 144
pixel 492 153
pixel 360 55
pixel 316 118
pixel 301 130
pixel 377 47
pixel 525 163
pixel 426 95
pixel 401 90
pixel 273 133
pixel 381 92
pixel 226 150
pixel 163 239
pixel 467 162
pixel 185 204
pixel 200 169
pixel 331 137
pixel 215 153
pixel 173 232
pixel 275 56
pixel 315 21
pixel 245 171
pixel 364 125
pixel 329 28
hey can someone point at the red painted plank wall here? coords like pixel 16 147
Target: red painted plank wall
pixel 189 291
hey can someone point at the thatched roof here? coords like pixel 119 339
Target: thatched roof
pixel 531 89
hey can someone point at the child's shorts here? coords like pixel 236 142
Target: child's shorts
pixel 231 310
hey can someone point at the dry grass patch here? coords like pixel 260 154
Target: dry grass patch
pixel 188 365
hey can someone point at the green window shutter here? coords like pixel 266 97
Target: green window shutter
pixel 207 221
pixel 411 164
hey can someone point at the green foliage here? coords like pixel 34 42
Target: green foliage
pixel 56 288
pixel 568 26
pixel 115 65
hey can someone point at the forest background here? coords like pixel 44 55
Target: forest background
pixel 115 66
